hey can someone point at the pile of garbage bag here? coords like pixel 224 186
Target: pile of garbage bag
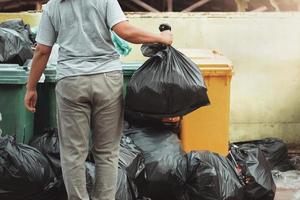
pixel 162 150
pixel 48 145
pixel 22 28
pixel 170 173
pixel 131 158
pixel 152 165
pixel 131 164
pixel 34 172
pixel 253 168
pixel 16 42
pixel 275 151
pixel 25 173
pixel 206 175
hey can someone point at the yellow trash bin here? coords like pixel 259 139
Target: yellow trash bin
pixel 207 128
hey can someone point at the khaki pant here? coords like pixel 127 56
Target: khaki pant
pixel 91 103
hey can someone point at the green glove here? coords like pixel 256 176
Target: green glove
pixel 121 45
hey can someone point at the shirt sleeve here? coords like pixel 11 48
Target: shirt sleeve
pixel 46 34
pixel 114 13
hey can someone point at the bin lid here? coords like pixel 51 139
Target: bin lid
pixel 130 68
pixel 49 72
pixel 12 74
pixel 210 62
pixel 10 66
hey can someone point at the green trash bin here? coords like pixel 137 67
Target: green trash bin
pixel 128 70
pixel 14 118
pixel 45 116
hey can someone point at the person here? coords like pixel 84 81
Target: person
pixel 89 86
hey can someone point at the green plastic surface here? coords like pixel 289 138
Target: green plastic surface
pixel 128 71
pixel 50 74
pixel 12 74
pixel 15 119
pixel 45 116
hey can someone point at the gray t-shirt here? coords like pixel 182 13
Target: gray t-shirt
pixel 82 30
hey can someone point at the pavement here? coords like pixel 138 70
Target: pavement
pixel 287 194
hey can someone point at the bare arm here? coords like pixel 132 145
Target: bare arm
pixel 39 63
pixel 137 36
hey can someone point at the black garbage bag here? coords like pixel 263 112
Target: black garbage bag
pixel 144 120
pixel 53 191
pixel 256 172
pixel 126 187
pixel 22 28
pixel 275 151
pixel 24 171
pixel 131 165
pixel 48 144
pixel 167 85
pixel 14 48
pixel 162 152
pixel 90 173
pixel 206 176
pixel 295 161
pixel 131 158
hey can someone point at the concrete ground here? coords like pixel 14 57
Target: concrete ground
pixel 287 194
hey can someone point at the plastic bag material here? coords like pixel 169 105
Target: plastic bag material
pixel 131 165
pixel 90 172
pixel 295 162
pixel 24 171
pixel 146 121
pixel 275 151
pixel 121 45
pixel 53 191
pixel 256 172
pixel 126 188
pixel 57 190
pixel 22 28
pixel 162 152
pixel 131 158
pixel 48 144
pixel 168 84
pixel 14 48
pixel 287 180
pixel 232 188
pixel 206 176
